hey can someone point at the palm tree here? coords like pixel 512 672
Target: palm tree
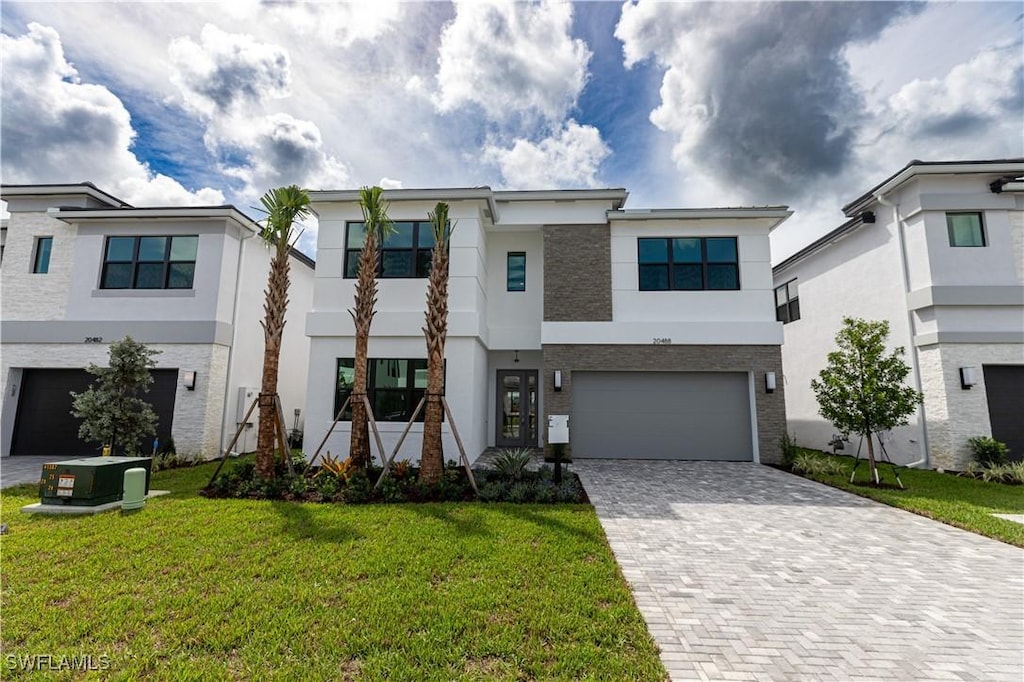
pixel 436 331
pixel 283 206
pixel 376 226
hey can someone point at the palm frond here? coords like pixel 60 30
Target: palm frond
pixel 375 212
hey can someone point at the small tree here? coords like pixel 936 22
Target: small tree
pixel 862 389
pixel 112 408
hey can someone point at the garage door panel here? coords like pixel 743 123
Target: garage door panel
pixel 1004 391
pixel 661 415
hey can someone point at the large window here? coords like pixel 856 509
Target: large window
pixel 41 260
pixel 965 229
pixel 394 387
pixel 787 303
pixel 406 252
pixel 516 277
pixel 149 262
pixel 688 263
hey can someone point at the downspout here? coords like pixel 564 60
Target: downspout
pixel 911 325
pixel 234 334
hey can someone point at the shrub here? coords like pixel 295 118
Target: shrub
pixel 494 491
pixel 167 447
pixel 789 449
pixel 512 463
pixel 359 490
pixel 987 450
pixel 570 491
pixel 520 492
pixel 814 465
pixel 390 490
pixel 1004 473
pixel 544 492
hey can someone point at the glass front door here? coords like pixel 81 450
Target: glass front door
pixel 517 408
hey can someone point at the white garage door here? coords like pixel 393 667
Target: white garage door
pixel 661 415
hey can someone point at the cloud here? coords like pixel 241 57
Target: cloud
pixel 227 71
pixel 758 95
pixel 511 59
pixel 568 158
pixel 58 129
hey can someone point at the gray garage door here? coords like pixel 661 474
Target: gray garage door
pixel 661 415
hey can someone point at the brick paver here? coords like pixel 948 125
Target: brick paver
pixel 743 572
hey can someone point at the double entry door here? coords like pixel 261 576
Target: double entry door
pixel 517 408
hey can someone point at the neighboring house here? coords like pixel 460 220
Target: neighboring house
pixel 937 249
pixel 82 268
pixel 658 324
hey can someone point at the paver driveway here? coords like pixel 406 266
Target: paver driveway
pixel 747 573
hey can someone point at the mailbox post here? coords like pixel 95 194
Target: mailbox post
pixel 558 436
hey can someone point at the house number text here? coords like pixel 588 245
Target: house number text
pixel 662 341
pixel 94 339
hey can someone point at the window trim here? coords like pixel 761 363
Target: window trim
pixel 508 271
pixel 670 263
pixel 414 252
pixel 981 228
pixel 41 266
pixel 166 262
pixel 412 394
pixel 791 303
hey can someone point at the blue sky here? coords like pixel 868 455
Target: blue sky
pixel 684 104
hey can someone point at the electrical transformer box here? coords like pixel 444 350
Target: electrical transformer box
pixel 89 481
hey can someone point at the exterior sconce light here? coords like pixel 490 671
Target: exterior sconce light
pixel 558 380
pixel 968 377
pixel 516 359
pixel 190 380
pixel 769 382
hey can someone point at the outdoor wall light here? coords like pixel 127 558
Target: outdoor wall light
pixel 968 377
pixel 769 382
pixel 190 380
pixel 517 357
pixel 558 380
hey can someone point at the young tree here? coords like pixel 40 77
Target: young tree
pixel 112 409
pixel 862 389
pixel 436 331
pixel 283 206
pixel 376 228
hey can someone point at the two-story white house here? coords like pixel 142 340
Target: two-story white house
pixel 937 249
pixel 654 330
pixel 81 268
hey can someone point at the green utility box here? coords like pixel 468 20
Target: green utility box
pixel 89 481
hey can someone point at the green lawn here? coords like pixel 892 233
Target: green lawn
pixel 192 588
pixel 959 501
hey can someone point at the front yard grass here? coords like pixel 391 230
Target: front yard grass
pixel 964 502
pixel 193 588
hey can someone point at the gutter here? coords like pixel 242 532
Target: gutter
pixel 911 325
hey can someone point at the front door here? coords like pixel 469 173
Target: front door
pixel 517 408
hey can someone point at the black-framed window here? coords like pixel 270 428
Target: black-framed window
pixel 41 259
pixel 516 271
pixel 394 387
pixel 688 263
pixel 787 303
pixel 152 262
pixel 965 229
pixel 405 254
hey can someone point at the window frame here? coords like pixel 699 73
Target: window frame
pixel 951 233
pixel 136 260
pixel 671 264
pixel 508 271
pixel 40 257
pixel 791 303
pixel 411 393
pixel 416 252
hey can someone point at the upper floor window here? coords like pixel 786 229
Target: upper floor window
pixel 149 262
pixel 41 260
pixel 688 263
pixel 406 253
pixel 516 271
pixel 394 387
pixel 965 229
pixel 787 303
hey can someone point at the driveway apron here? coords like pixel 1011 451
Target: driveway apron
pixel 743 572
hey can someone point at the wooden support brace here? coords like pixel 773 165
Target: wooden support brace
pixel 398 446
pixel 330 430
pixel 234 440
pixel 458 441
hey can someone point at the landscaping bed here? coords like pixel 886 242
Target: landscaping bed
pixel 195 588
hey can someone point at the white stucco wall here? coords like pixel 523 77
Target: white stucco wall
pixel 514 317
pixel 36 296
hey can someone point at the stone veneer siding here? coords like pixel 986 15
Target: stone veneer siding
pixel 770 408
pixel 577 273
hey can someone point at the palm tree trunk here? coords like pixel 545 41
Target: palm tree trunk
pixel 436 332
pixel 362 317
pixel 274 308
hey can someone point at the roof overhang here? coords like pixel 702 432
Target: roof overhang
pixel 230 213
pixel 426 194
pixel 778 214
pixel 8 192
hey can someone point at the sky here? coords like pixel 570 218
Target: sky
pixel 684 104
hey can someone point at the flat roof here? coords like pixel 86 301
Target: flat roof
pixel 58 189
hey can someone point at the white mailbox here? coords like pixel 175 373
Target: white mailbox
pixel 558 428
